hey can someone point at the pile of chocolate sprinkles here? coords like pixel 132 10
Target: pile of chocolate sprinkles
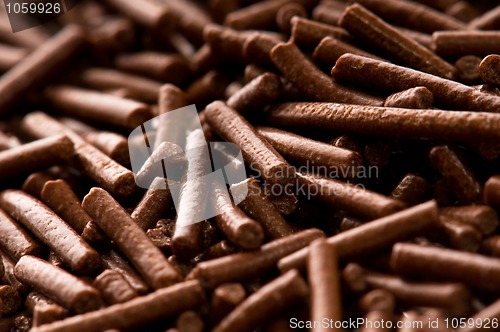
pixel 370 134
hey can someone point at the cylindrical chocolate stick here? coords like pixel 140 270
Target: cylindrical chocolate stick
pixel 390 78
pixel 15 241
pixel 312 81
pixel 11 56
pixel 412 15
pixel 460 43
pixel 245 265
pixel 193 198
pixel 229 124
pixel 483 217
pixel 95 106
pixel 355 199
pixel 411 190
pixel 39 65
pixel 104 79
pixel 267 302
pixel 257 94
pixel 324 279
pixel 489 69
pixel 59 196
pixel 393 122
pixel 136 313
pixel 451 296
pixel 130 238
pixel 51 230
pixel 365 25
pixel 99 167
pixel 57 284
pixel 225 298
pixel 476 270
pixel 114 288
pixel 460 178
pixel 241 230
pixel 149 13
pixel 419 97
pixel 154 204
pixel 112 260
pixel 163 67
pixel 330 49
pixel 36 155
pixel 258 206
pixel 376 235
pixel 312 153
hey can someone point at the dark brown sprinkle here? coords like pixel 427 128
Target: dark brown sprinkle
pixel 477 271
pixel 324 280
pixel 463 11
pixel 330 49
pixel 458 235
pixel 377 300
pixel 315 84
pixel 375 235
pixel 463 181
pixel 112 260
pixel 51 230
pixel 14 239
pixel 220 249
pixel 154 204
pixel 8 277
pixel 460 43
pixel 159 66
pixel 416 98
pixel 190 321
pixel 224 299
pixel 482 217
pixel 257 94
pixel 259 207
pixel 158 305
pixel 142 88
pixel 371 29
pixel 10 301
pixel 349 197
pixel 246 265
pixel 286 13
pixel 94 106
pixel 46 152
pixel 268 301
pixel 97 165
pixel 468 68
pixel 384 121
pixel 391 78
pixel 39 65
pixel 53 282
pixel 489 69
pixel 309 33
pixel 412 15
pixel 114 288
pixel 488 21
pixel 124 231
pixel 328 12
pixel 152 15
pixel 412 189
